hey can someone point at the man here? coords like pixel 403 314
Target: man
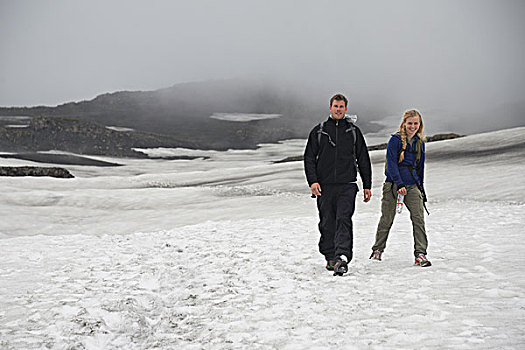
pixel 336 149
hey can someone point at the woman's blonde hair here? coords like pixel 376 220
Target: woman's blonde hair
pixel 402 130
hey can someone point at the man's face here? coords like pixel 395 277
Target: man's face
pixel 338 109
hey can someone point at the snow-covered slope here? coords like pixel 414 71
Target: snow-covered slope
pixel 222 254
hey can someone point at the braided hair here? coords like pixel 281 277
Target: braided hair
pixel 402 130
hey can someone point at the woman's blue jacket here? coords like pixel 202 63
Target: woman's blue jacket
pixel 398 173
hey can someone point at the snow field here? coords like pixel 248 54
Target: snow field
pixel 261 284
pixel 108 260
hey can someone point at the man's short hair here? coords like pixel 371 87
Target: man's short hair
pixel 339 97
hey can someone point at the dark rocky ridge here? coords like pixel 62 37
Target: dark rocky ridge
pixel 65 159
pixel 35 171
pixel 182 114
pixel 437 137
pixel 80 137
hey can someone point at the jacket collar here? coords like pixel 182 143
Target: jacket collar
pixel 348 118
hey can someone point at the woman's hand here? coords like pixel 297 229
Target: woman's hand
pixel 402 190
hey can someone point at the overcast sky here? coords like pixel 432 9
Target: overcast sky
pixel 421 52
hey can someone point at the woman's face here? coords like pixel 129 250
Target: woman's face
pixel 412 126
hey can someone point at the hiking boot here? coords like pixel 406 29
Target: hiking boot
pixel 421 260
pixel 330 264
pixel 341 265
pixel 376 255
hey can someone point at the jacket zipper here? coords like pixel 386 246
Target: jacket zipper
pixel 336 143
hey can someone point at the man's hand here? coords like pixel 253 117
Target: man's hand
pixel 367 195
pixel 316 189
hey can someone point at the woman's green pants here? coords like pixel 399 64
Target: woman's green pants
pixel 414 204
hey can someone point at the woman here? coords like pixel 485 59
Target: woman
pixel 405 163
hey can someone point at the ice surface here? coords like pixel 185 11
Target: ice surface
pixel 221 253
pixel 243 117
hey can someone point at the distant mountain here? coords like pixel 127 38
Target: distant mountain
pixel 179 116
pixel 81 137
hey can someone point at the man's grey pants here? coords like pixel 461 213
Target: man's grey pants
pixel 414 204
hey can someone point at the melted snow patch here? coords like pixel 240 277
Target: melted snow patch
pixel 119 128
pixel 243 117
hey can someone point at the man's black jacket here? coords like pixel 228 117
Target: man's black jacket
pixel 326 163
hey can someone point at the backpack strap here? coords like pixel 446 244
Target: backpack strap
pixel 351 128
pixel 419 185
pixel 321 132
pixel 418 149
